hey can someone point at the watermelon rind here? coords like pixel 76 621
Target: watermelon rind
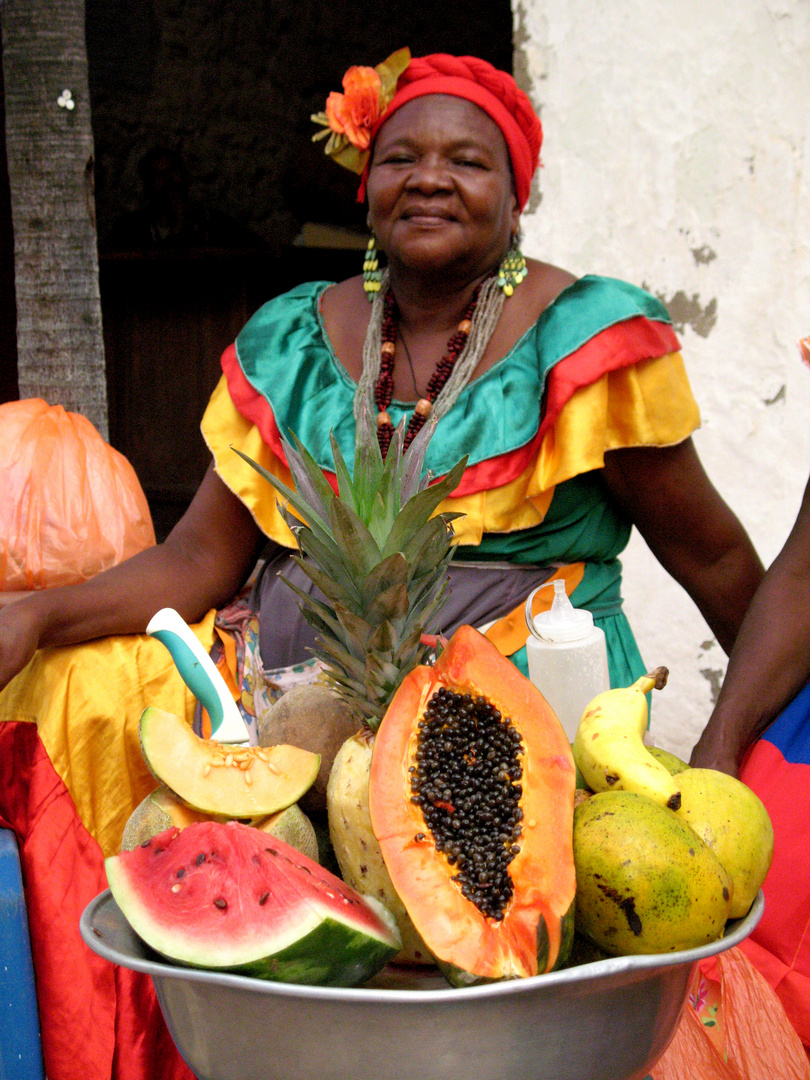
pixel 229 898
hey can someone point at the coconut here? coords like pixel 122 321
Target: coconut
pixel 312 717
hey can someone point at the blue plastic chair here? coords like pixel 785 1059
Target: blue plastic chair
pixel 20 1045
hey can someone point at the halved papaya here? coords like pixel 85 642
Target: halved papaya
pixel 472 801
pixel 231 781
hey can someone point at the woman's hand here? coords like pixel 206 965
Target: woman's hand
pixel 689 528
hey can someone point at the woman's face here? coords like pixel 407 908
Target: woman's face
pixel 440 189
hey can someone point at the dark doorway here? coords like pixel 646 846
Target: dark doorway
pixel 213 99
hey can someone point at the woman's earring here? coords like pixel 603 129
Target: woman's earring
pixel 372 274
pixel 512 270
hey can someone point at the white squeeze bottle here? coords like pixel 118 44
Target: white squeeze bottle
pixel 567 657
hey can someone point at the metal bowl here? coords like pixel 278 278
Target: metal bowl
pixel 607 1020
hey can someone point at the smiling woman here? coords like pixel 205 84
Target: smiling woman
pixel 441 197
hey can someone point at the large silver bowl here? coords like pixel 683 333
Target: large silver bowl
pixel 608 1020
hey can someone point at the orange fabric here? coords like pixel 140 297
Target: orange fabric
pixel 753 1040
pixel 70 505
pixel 509 633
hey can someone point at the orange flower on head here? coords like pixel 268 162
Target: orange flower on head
pixel 354 112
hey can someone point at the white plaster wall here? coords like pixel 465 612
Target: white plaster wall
pixel 676 156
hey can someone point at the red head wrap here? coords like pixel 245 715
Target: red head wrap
pixel 492 90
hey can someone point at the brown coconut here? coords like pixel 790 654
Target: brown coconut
pixel 315 718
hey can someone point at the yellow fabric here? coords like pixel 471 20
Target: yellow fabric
pixel 647 404
pixel 86 700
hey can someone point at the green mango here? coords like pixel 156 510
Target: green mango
pixel 670 761
pixel 646 882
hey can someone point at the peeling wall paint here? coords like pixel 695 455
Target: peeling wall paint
pixel 677 155
pixel 689 311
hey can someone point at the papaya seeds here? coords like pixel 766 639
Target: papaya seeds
pixel 646 883
pixel 471 799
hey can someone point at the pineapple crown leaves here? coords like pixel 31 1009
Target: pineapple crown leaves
pixel 378 552
pixel 385 509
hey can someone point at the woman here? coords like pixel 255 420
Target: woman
pixel 568 395
pixel 760 728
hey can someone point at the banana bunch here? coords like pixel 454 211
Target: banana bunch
pixel 609 747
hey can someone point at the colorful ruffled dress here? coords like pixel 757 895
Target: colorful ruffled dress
pixel 599 370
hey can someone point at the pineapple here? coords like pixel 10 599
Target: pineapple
pixel 379 555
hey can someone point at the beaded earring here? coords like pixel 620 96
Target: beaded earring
pixel 372 274
pixel 512 270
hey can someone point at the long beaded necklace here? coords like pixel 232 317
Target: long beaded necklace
pixel 384 386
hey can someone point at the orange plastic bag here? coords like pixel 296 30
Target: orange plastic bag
pixel 733 1027
pixel 70 505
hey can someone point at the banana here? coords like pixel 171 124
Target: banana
pixel 609 747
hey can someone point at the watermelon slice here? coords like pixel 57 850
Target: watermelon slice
pixel 229 897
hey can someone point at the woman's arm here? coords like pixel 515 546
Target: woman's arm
pixel 770 662
pixel 689 528
pixel 201 564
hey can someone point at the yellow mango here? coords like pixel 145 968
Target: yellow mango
pixel 729 817
pixel 646 883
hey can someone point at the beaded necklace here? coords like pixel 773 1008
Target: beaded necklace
pixel 384 389
pixel 464 350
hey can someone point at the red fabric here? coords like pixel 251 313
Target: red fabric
pixel 619 346
pixel 780 945
pixel 97 1020
pixel 494 91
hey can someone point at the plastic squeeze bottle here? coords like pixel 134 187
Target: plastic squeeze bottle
pixel 567 657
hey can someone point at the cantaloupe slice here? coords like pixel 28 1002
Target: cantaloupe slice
pixel 230 781
pixel 160 810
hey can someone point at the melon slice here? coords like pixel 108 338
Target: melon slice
pixel 228 897
pixel 232 781
pixel 161 809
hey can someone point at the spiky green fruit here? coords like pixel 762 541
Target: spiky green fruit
pixel 379 554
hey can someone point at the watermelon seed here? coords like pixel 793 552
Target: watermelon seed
pixel 221 903
pixel 176 887
pixel 263 899
pixel 146 843
pixel 181 872
pixel 200 858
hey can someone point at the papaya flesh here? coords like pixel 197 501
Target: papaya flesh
pixel 471 797
pixel 216 778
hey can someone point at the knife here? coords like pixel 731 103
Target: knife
pixel 200 674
